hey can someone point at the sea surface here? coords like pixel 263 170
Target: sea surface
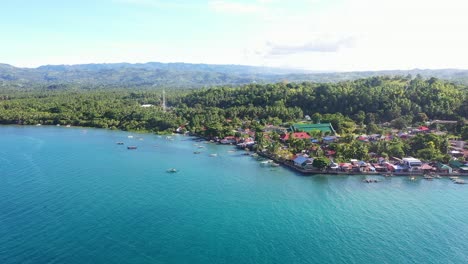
pixel 72 195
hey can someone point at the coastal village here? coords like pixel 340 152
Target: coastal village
pixel 311 148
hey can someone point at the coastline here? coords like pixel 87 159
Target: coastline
pixel 350 173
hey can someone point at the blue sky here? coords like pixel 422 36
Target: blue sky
pixel 326 35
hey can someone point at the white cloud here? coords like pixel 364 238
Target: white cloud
pixel 385 34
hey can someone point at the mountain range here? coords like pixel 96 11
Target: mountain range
pixel 186 75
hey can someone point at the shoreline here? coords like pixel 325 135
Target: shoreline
pixel 351 173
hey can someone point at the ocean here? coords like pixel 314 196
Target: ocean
pixel 72 195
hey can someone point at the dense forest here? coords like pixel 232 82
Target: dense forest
pixel 401 101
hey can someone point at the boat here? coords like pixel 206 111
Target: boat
pixel 274 164
pixel 132 147
pixel 130 136
pixel 119 143
pixel 459 181
pixel 171 170
pixel 265 162
pixel 213 155
pixel 428 177
pixel 370 180
pixel 453 178
pixel 412 178
pixel 196 152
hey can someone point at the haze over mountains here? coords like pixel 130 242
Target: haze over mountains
pixel 186 75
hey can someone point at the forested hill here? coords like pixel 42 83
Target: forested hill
pixel 184 75
pixel 371 101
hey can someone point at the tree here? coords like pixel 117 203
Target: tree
pixel 464 133
pixel 320 163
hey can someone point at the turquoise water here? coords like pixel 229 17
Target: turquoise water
pixel 71 195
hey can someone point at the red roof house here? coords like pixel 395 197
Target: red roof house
pixel 300 135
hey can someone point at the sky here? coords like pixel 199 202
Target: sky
pixel 318 35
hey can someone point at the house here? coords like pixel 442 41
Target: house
pixel 303 161
pixel 329 139
pixel 300 135
pixel 444 168
pixel 411 164
pixel 307 127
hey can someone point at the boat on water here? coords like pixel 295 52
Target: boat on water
pixel 119 143
pixel 459 181
pixel 171 170
pixel 132 147
pixel 213 155
pixel 274 164
pixel 370 180
pixel 130 136
pixel 196 152
pixel 453 178
pixel 412 178
pixel 428 177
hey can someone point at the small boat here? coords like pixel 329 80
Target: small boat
pixel 412 178
pixel 119 143
pixel 370 180
pixel 171 170
pixel 274 164
pixel 213 155
pixel 130 136
pixel 132 147
pixel 437 176
pixel 459 181
pixel 428 177
pixel 453 178
pixel 265 162
pixel 68 125
pixel 196 152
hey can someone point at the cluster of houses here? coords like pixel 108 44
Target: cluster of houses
pixel 403 166
pixel 307 131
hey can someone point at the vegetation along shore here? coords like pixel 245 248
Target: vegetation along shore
pixel 357 125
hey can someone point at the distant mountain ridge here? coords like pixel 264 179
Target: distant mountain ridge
pixel 187 75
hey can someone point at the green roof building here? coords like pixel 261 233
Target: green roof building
pixel 305 127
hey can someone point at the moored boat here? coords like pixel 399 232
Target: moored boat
pixel 459 181
pixel 171 170
pixel 119 143
pixel 132 147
